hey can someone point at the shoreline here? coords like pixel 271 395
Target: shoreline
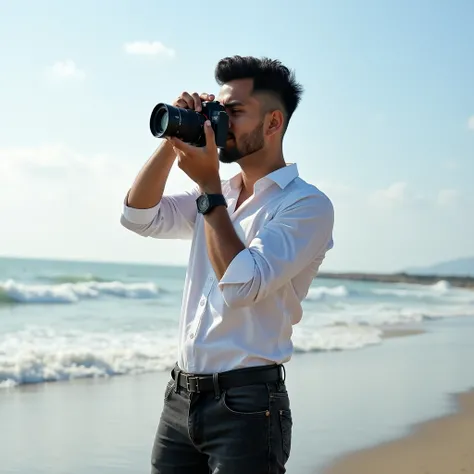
pixel 387 332
pixel 400 331
pixel 437 446
pixel 466 282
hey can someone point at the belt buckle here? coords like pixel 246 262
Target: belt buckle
pixel 188 384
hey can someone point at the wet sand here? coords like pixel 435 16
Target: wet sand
pixel 400 332
pixel 441 446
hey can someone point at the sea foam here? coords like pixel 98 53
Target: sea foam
pixel 40 354
pixel 17 292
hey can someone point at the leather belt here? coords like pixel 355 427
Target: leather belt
pixel 234 378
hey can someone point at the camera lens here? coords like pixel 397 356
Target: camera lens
pixel 162 120
pixel 169 121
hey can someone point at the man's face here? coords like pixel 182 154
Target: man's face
pixel 246 121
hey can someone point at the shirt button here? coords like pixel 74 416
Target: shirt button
pixel 191 336
pixel 202 302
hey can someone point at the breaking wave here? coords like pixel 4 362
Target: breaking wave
pixel 16 292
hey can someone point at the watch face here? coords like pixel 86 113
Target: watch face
pixel 203 203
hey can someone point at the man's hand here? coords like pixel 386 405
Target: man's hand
pixel 201 164
pixel 192 101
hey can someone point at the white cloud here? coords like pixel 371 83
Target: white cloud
pixel 451 164
pixel 48 163
pixel 149 48
pixel 394 195
pixel 28 172
pixel 332 188
pixel 470 122
pixel 400 196
pixel 59 202
pixel 56 177
pixel 447 197
pixel 67 70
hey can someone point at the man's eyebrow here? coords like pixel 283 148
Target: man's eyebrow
pixel 234 103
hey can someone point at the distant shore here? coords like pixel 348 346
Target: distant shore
pixel 457 281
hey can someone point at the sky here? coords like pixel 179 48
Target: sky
pixel 385 127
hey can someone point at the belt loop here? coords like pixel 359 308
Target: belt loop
pixel 176 380
pixel 215 381
pixel 282 371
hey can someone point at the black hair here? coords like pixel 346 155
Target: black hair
pixel 269 76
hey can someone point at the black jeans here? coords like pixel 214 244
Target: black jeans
pixel 244 430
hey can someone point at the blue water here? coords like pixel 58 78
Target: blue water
pixel 64 320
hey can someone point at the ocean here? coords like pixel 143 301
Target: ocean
pixel 64 320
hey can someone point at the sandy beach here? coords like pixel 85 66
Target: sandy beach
pixel 440 446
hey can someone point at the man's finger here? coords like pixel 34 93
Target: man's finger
pixel 210 137
pixel 197 102
pixel 180 145
pixel 205 96
pixel 188 99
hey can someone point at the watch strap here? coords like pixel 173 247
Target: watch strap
pixel 206 202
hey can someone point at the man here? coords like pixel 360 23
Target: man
pixel 257 243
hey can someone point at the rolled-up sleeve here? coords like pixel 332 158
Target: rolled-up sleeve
pixel 139 216
pixel 240 270
pixel 298 235
pixel 172 218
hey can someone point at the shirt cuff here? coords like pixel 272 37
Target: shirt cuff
pixel 139 216
pixel 240 270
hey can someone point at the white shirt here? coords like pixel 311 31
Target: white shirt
pixel 246 318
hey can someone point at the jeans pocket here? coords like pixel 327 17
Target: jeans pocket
pixel 286 426
pixel 169 388
pixel 251 400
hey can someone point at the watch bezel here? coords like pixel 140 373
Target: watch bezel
pixel 203 203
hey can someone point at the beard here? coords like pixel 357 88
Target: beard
pixel 249 143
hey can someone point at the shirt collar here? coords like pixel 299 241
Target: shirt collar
pixel 282 177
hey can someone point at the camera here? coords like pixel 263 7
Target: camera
pixel 188 125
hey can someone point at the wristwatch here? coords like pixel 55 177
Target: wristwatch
pixel 206 202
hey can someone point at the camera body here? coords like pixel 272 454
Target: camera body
pixel 215 112
pixel 188 125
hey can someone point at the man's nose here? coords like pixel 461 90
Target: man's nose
pixel 231 127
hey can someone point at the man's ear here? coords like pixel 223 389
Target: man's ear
pixel 275 123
